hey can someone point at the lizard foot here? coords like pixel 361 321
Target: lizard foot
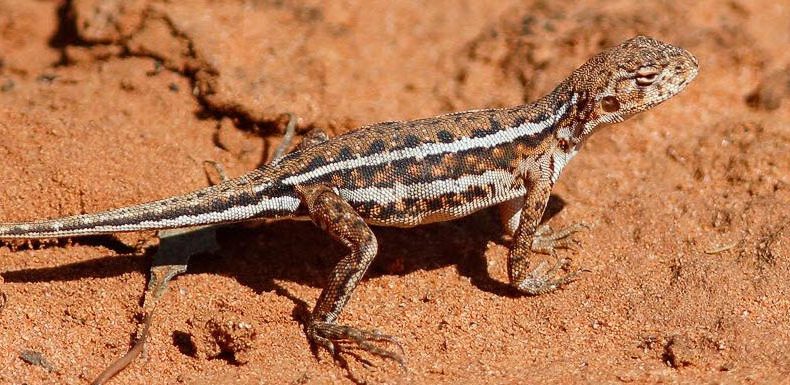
pixel 546 240
pixel 339 339
pixel 543 280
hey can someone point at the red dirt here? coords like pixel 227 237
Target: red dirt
pixel 106 103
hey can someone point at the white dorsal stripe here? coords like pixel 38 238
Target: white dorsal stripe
pixel 231 214
pixel 494 139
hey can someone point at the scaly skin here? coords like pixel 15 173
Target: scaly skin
pixel 410 173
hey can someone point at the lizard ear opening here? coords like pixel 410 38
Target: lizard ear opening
pixel 610 104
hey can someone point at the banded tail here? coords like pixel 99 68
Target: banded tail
pixel 231 201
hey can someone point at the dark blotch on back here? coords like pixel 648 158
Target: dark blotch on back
pixel 411 140
pixel 542 116
pixel 315 162
pixel 494 123
pixel 377 146
pixel 444 136
pixel 345 153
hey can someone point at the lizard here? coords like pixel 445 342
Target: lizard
pixel 409 173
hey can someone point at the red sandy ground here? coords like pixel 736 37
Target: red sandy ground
pixel 106 103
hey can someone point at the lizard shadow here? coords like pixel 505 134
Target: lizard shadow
pixel 103 267
pixel 301 252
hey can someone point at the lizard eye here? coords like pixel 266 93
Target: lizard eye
pixel 646 76
pixel 610 104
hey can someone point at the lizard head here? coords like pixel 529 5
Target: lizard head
pixel 632 77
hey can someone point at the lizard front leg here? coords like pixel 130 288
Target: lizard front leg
pixel 529 237
pixel 335 216
pixel 545 240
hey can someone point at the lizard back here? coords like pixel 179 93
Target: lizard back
pixel 428 170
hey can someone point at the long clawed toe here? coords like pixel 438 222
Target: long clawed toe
pixel 545 280
pixel 546 240
pixel 341 339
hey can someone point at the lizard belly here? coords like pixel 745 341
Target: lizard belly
pixel 406 205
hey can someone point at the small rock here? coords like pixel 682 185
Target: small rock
pixel 680 351
pixel 224 334
pixel 36 358
pixel 7 85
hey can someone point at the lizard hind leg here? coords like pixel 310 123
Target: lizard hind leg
pixel 311 138
pixel 335 216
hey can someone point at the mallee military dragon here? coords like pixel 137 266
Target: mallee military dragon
pixel 415 172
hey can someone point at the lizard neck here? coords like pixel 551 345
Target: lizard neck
pixel 576 117
pixel 572 122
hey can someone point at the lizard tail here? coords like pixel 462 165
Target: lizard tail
pixel 231 201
